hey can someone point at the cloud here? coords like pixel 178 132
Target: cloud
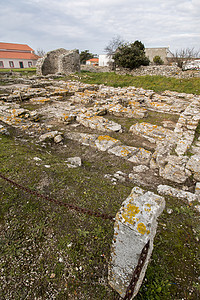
pixel 51 24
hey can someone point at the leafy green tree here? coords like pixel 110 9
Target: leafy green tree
pixel 85 55
pixel 158 60
pixel 131 56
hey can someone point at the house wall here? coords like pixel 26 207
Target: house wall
pixel 104 60
pixel 164 53
pixel 6 64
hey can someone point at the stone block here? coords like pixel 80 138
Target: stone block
pixel 149 131
pixel 58 138
pixel 3 130
pixel 83 138
pixel 140 169
pixel 194 166
pixel 123 151
pixel 105 142
pixel 197 190
pixel 135 227
pixel 174 192
pixel 142 156
pixel 98 123
pixel 49 136
pixel 175 170
pixel 59 61
pixel 73 162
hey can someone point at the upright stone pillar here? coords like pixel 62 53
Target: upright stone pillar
pixel 134 231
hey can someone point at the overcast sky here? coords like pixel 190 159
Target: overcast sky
pixel 87 24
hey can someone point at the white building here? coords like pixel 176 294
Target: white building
pixel 92 61
pixel 16 56
pixel 191 65
pixel 104 60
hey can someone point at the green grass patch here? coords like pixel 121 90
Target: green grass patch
pixel 155 83
pixel 22 71
pixel 65 254
pixel 153 117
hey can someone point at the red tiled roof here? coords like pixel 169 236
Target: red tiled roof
pixel 18 55
pixel 18 47
pixel 93 59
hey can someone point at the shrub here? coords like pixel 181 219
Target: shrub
pixel 158 60
pixel 131 56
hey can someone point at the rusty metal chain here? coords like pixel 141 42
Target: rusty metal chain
pixel 136 273
pixel 58 202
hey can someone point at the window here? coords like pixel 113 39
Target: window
pixel 11 64
pixel 1 64
pixel 30 64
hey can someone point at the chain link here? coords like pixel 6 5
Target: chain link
pixel 136 273
pixel 143 255
pixel 60 203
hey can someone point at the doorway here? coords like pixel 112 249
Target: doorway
pixel 21 65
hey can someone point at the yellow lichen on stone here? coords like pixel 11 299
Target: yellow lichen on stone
pixel 130 213
pixel 106 138
pixel 141 228
pixel 124 152
pixel 149 207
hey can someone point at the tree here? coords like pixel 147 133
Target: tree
pixel 131 56
pixel 184 55
pixel 40 52
pixel 158 60
pixel 113 45
pixel 85 55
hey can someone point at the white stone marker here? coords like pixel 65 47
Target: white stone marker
pixel 135 227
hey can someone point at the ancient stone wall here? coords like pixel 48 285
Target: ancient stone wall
pixel 59 61
pixel 96 69
pixel 168 71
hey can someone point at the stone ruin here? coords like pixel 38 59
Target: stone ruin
pixel 59 61
pixel 165 158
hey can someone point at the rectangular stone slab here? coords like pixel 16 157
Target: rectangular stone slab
pixel 135 226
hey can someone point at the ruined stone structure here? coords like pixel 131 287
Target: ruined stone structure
pixel 163 70
pixel 59 61
pixel 157 134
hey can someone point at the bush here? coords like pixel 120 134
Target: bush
pixel 131 56
pixel 85 55
pixel 158 60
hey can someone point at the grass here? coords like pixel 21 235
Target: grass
pixel 48 251
pixel 23 71
pixel 153 117
pixel 54 250
pixel 155 83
